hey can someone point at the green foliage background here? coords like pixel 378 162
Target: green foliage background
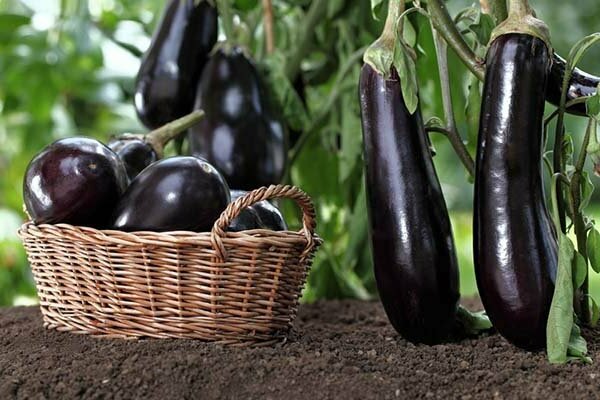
pixel 67 68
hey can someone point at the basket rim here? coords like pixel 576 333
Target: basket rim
pixel 147 237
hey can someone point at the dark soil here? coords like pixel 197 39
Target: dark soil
pixel 340 350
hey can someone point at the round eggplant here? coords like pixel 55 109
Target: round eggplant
pixel 177 193
pixel 75 181
pixel 136 154
pixel 262 215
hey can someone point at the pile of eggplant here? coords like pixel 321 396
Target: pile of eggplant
pixel 515 241
pixel 186 82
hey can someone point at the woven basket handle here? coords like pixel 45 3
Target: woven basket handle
pixel 219 229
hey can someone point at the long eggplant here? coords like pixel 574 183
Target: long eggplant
pixel 165 87
pixel 515 242
pixel 413 249
pixel 242 134
pixel 581 84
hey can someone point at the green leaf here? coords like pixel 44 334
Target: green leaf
pixel 587 189
pixel 472 111
pixel 9 23
pixel 376 7
pixel 483 28
pixel 568 148
pixel 291 104
pixel 245 5
pixel 592 105
pixel 560 318
pixel 580 270
pixel 595 313
pixel 334 7
pixel 579 49
pixel 577 349
pixel 593 249
pixel 404 61
pixel 473 323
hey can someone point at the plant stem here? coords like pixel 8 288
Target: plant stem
pixel 268 23
pixel 581 303
pixel 158 138
pixel 313 16
pixel 558 162
pixel 226 14
pixel 519 7
pixel 443 23
pixel 453 135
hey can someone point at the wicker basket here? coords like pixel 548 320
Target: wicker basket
pixel 232 288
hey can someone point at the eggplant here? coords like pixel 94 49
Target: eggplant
pixel 166 83
pixel 75 181
pixel 261 215
pixel 135 153
pixel 413 249
pixel 177 193
pixel 242 133
pixel 514 239
pixel 581 84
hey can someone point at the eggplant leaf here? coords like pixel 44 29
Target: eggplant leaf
pixel 560 319
pixel 587 189
pixel 404 61
pixel 473 323
pixel 580 270
pixel 472 111
pixel 592 105
pixel 579 49
pixel 376 6
pixel 577 349
pixel 593 249
pixel 595 312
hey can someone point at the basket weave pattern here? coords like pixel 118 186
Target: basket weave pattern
pixel 229 287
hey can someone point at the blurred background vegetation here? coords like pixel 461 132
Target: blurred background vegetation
pixel 67 68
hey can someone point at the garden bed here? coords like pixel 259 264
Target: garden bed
pixel 340 349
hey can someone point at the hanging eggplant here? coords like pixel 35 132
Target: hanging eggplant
pixel 242 133
pixel 413 250
pixel 515 243
pixel 171 68
pixel 581 84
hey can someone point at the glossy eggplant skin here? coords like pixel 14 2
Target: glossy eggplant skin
pixel 242 133
pixel 135 153
pixel 177 193
pixel 514 240
pixel 262 215
pixel 75 181
pixel 171 68
pixel 581 84
pixel 413 249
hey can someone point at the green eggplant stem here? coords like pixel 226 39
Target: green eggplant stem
pixel 380 55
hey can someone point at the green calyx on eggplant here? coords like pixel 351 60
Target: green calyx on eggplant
pixel 171 68
pixel 139 151
pixel 76 181
pixel 514 240
pixel 242 134
pixel 177 193
pixel 415 262
pixel 581 84
pixel 262 215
